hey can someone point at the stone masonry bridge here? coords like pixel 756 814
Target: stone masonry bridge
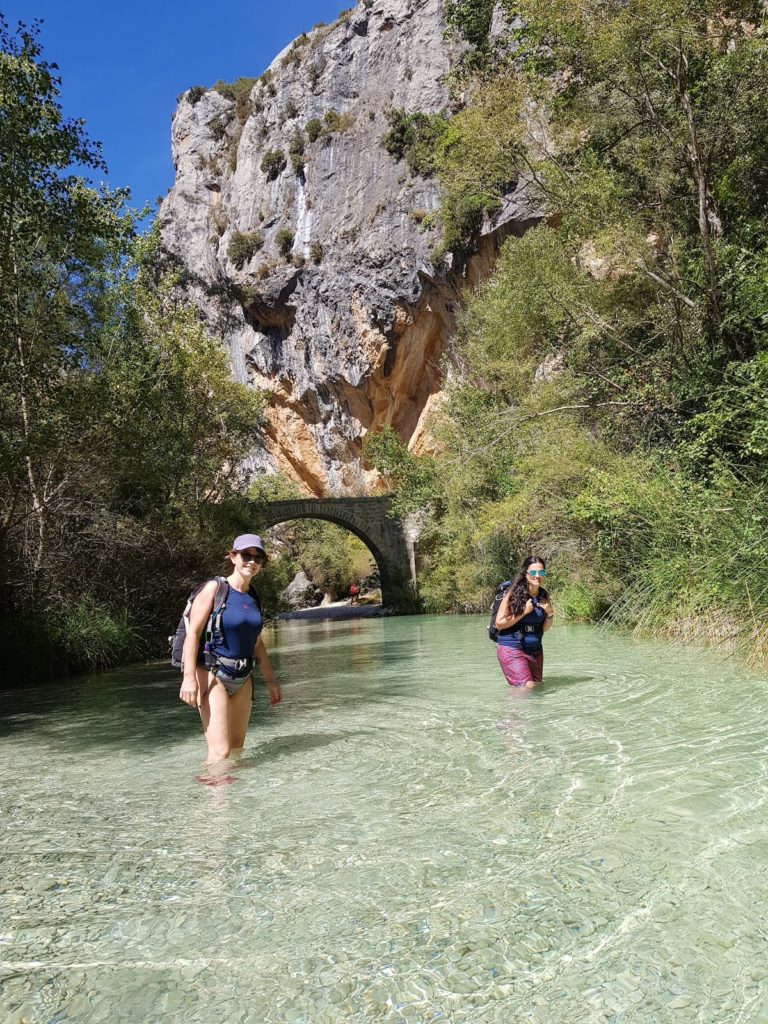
pixel 384 536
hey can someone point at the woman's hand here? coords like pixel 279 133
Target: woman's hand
pixel 274 692
pixel 273 689
pixel 188 691
pixel 529 607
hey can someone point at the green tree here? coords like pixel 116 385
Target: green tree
pixel 121 432
pixel 58 240
pixel 331 557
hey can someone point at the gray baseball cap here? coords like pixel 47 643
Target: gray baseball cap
pixel 248 540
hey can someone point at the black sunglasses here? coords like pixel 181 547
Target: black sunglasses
pixel 253 556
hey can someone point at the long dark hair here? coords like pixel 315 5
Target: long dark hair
pixel 518 591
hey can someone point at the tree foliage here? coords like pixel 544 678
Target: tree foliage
pixel 120 428
pixel 611 373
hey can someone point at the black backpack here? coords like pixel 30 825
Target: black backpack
pixel 493 633
pixel 213 629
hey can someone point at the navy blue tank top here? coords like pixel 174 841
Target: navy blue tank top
pixel 526 634
pixel 241 624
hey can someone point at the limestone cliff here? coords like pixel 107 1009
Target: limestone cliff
pixel 307 246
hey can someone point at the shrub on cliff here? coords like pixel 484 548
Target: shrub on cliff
pixel 243 246
pixel 273 163
pixel 287 112
pixel 267 81
pixel 314 129
pixel 333 121
pixel 284 242
pixel 415 138
pixel 239 92
pixel 296 151
pixel 314 72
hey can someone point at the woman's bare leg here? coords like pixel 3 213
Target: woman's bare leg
pixel 214 714
pixel 239 715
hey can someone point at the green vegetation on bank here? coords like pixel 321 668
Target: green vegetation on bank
pixel 608 393
pixel 119 421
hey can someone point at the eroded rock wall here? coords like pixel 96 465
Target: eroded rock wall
pixel 347 324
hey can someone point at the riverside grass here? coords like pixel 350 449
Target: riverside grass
pixel 632 541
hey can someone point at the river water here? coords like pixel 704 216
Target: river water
pixel 407 839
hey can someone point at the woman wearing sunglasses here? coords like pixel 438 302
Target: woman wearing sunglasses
pixel 218 677
pixel 524 616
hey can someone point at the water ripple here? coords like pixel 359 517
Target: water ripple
pixel 407 840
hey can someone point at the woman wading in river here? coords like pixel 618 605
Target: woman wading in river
pixel 218 670
pixel 524 616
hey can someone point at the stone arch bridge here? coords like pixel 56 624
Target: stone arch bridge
pixel 386 537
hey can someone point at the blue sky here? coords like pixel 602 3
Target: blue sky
pixel 122 65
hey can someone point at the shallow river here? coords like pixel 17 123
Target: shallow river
pixel 407 839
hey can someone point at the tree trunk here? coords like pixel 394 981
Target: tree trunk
pixel 710 223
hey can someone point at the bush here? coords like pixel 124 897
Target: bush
pixel 284 242
pixel 233 145
pixel 288 112
pixel 333 121
pixel 195 94
pixel 239 92
pixel 92 637
pixel 296 150
pixel 294 56
pixel 314 129
pixel 243 246
pixel 273 163
pixel 267 81
pixel 314 71
pixel 415 139
pixel 316 252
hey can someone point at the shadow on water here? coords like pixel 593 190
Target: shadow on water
pixel 299 743
pixel 137 708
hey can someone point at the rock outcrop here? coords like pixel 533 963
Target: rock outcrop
pixel 308 247
pixel 301 592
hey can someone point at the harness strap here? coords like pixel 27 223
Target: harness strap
pixel 238 664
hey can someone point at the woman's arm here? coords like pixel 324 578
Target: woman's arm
pixel 549 611
pixel 273 688
pixel 503 617
pixel 199 614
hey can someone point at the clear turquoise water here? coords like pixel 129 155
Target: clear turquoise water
pixel 407 840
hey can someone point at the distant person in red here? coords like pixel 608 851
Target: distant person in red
pixel 354 593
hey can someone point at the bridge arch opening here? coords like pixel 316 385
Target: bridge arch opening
pixel 325 562
pixel 367 519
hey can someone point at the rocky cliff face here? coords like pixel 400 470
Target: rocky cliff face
pixel 307 246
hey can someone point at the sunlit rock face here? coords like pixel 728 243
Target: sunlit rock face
pixel 332 302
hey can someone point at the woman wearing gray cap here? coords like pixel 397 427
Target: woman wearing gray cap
pixel 218 667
